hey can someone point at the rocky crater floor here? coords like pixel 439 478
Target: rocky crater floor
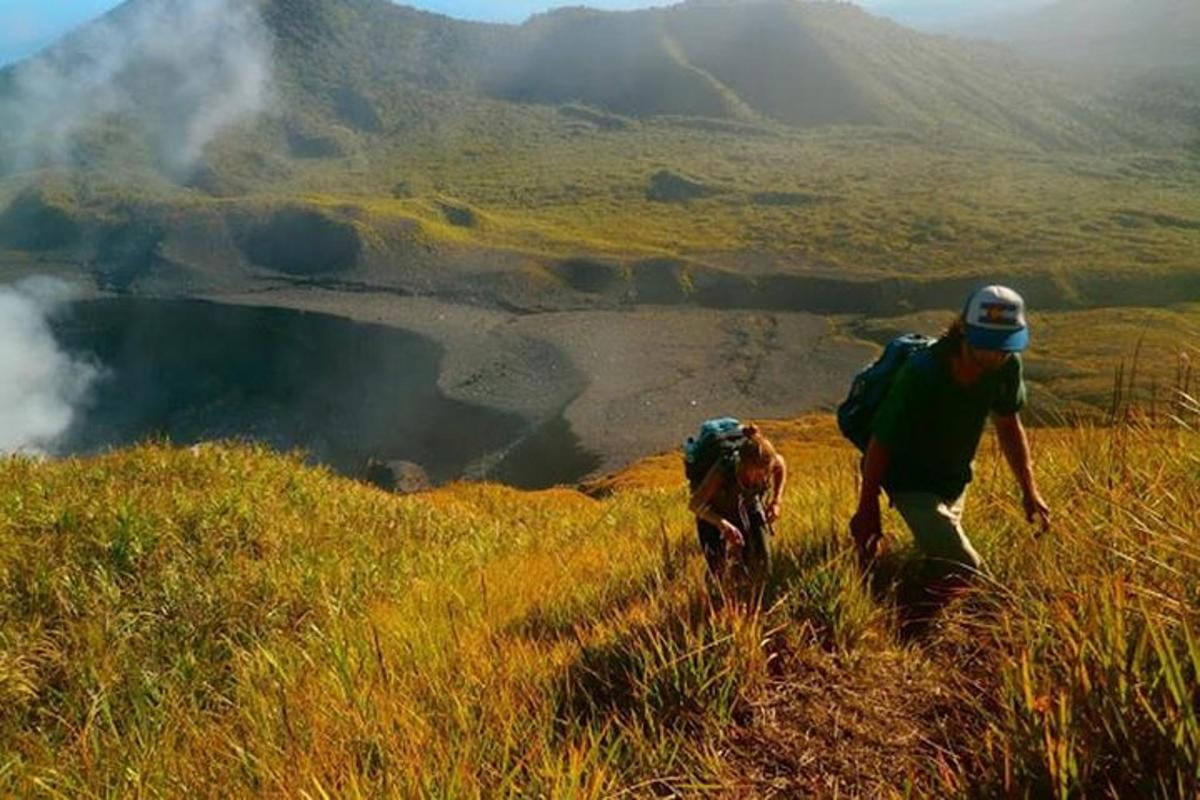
pixel 625 383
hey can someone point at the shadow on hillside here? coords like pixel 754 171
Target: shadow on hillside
pixel 679 668
pixel 790 568
pixel 675 671
pixel 551 623
pixel 548 623
pixel 917 592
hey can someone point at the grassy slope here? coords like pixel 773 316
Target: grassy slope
pixel 862 202
pixel 224 621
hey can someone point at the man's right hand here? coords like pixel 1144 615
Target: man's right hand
pixel 1037 510
pixel 867 530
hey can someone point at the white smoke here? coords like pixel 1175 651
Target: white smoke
pixel 40 386
pixel 184 70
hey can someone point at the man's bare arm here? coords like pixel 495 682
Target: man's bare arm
pixel 1015 445
pixel 866 525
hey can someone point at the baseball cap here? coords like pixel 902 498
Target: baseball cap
pixel 995 317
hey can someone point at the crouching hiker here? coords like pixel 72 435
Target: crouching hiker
pixel 737 480
pixel 918 414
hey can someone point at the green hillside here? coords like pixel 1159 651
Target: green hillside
pixel 817 135
pixel 801 64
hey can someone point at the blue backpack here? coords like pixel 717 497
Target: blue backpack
pixel 717 439
pixel 857 412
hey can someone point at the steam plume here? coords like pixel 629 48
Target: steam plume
pixel 183 70
pixel 40 386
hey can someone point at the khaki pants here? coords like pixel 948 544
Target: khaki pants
pixel 936 525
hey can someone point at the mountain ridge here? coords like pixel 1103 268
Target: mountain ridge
pixel 699 58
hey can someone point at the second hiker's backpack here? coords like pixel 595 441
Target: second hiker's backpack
pixel 717 439
pixel 857 412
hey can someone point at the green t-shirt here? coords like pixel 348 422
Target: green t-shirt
pixel 932 425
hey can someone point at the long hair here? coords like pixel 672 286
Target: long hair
pixel 954 334
pixel 756 451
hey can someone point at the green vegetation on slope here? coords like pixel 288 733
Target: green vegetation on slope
pixel 864 149
pixel 225 622
pixel 845 202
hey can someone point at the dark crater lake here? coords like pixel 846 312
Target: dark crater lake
pixel 343 391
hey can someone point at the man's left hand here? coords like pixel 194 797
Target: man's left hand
pixel 1036 509
pixel 773 511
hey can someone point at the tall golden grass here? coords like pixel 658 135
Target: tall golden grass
pixel 222 621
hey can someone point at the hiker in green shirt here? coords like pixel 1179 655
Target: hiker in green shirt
pixel 926 431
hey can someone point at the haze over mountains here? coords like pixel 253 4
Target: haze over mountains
pixel 800 64
pixel 943 16
pixel 27 26
pixel 1105 34
pixel 1147 54
pixel 358 63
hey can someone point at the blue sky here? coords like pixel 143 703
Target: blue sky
pixel 28 25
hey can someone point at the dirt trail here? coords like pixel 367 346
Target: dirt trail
pixel 863 724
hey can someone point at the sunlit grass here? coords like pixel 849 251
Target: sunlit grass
pixel 222 621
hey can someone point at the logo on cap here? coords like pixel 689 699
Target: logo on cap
pixel 998 314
